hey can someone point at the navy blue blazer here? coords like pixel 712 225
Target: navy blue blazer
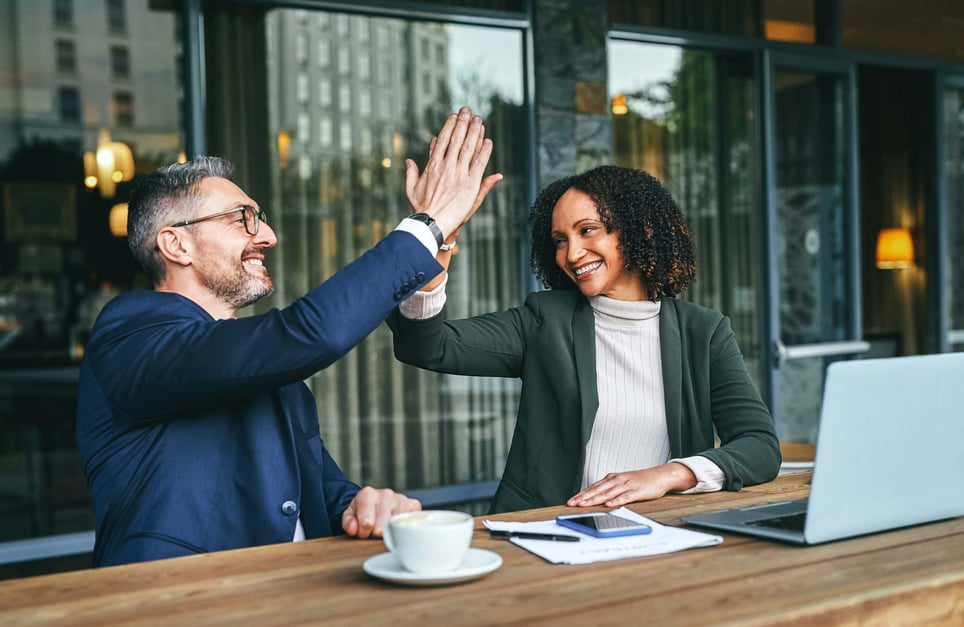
pixel 199 435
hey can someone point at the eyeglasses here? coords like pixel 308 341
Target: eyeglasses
pixel 252 218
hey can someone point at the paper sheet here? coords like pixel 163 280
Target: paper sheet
pixel 663 539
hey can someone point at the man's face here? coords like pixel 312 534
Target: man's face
pixel 230 261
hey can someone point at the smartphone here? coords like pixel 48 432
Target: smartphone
pixel 603 525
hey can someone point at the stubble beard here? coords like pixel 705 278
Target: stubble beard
pixel 237 288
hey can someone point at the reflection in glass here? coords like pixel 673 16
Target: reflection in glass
pixel 390 89
pixel 814 296
pixel 954 177
pixel 740 18
pixel 670 120
pixel 108 70
pixel 933 30
pixel 790 20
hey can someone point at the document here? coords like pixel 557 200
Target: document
pixel 663 539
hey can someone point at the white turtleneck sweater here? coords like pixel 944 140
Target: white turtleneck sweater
pixel 629 431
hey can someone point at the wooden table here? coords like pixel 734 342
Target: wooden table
pixel 910 576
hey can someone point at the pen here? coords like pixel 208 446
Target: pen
pixel 527 535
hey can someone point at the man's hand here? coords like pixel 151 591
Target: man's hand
pixel 371 508
pixel 451 188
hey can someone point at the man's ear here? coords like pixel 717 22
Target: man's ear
pixel 175 246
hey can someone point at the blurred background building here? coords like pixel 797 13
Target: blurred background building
pixel 815 146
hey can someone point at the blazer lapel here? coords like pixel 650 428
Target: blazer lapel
pixel 671 347
pixel 584 347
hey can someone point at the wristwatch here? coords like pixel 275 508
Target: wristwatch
pixel 429 221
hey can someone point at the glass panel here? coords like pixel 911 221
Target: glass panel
pixel 687 117
pixel 516 6
pixel 896 181
pixel 735 17
pixel 789 20
pixel 811 245
pixel 59 261
pixel 954 173
pixel 338 188
pixel 928 29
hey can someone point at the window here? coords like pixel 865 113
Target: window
pixel 386 423
pixel 699 144
pixel 344 98
pixel 301 48
pixel 68 101
pixel 344 61
pixel 364 102
pixel 324 53
pixel 65 105
pixel 116 16
pixel 325 132
pixel 324 91
pixel 364 65
pixel 120 62
pixel 344 137
pixel 123 109
pixel 66 57
pixel 304 128
pixel 64 13
pixel 303 88
pixel 734 17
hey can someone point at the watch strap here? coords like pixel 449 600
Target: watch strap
pixel 429 221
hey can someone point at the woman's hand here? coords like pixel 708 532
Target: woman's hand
pixel 619 488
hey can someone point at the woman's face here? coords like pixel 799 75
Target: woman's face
pixel 587 253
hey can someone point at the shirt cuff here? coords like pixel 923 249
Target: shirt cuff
pixel 421 231
pixel 709 476
pixel 423 305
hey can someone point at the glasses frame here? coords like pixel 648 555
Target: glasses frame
pixel 258 216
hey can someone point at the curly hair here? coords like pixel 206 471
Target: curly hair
pixel 653 237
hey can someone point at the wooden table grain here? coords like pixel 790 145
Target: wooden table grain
pixel 911 576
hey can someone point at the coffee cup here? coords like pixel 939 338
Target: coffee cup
pixel 430 541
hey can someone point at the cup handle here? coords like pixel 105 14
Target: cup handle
pixel 387 538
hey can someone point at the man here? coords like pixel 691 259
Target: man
pixel 197 431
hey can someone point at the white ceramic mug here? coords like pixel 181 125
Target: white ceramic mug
pixel 430 541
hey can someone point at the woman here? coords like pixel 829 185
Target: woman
pixel 624 387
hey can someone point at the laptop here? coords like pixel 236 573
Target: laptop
pixel 890 453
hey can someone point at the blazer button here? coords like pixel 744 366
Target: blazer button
pixel 289 508
pixel 413 282
pixel 420 277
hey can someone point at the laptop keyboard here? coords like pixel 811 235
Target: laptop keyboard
pixel 790 522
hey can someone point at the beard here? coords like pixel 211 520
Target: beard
pixel 235 286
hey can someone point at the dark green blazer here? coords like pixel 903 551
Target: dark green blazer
pixel 549 343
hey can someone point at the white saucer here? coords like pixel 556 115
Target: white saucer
pixel 477 562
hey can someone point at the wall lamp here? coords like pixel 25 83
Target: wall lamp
pixel 895 249
pixel 113 163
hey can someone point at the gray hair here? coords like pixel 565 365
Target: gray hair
pixel 165 196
